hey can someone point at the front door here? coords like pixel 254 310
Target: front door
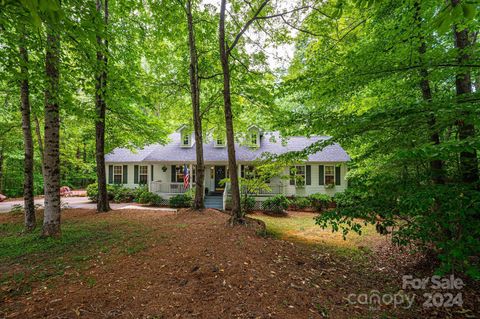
pixel 219 175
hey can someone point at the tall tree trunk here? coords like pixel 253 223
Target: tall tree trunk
pixel 437 173
pixel 463 85
pixel 39 140
pixel 198 202
pixel 51 170
pixel 1 170
pixel 28 196
pixel 100 106
pixel 237 214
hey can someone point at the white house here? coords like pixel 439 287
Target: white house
pixel 161 167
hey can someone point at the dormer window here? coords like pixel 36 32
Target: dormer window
pixel 185 139
pixel 219 142
pixel 253 138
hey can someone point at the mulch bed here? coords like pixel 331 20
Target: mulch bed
pixel 197 267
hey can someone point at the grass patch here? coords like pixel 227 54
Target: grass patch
pixel 28 258
pixel 301 227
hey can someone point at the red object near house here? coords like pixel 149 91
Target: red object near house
pixel 2 197
pixel 65 191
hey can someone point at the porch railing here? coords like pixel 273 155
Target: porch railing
pixel 168 188
pixel 274 190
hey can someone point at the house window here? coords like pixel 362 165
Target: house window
pixel 185 139
pixel 179 173
pixel 253 138
pixel 329 175
pixel 117 174
pixel 219 141
pixel 143 175
pixel 297 175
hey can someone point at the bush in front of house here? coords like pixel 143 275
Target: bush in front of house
pixel 149 198
pixel 248 203
pixel 276 204
pixel 180 201
pixel 299 203
pixel 122 194
pixel 92 192
pixel 119 193
pixel 319 202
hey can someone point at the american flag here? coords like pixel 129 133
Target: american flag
pixel 186 177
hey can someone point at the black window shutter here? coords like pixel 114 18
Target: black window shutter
pixel 174 174
pixel 242 171
pixel 321 175
pixel 337 175
pixel 110 174
pixel 135 174
pixel 125 174
pixel 308 178
pixel 151 171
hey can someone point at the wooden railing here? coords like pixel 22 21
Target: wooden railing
pixel 168 188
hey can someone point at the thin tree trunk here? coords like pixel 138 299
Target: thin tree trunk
pixel 237 214
pixel 1 170
pixel 463 85
pixel 51 170
pixel 100 106
pixel 437 173
pixel 39 140
pixel 198 202
pixel 28 193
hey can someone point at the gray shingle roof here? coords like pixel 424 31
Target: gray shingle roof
pixel 271 142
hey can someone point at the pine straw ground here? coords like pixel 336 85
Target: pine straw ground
pixel 147 264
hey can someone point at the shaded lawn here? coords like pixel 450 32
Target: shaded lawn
pixel 28 258
pixel 301 227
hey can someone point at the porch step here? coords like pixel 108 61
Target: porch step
pixel 214 202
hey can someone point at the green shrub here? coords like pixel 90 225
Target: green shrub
pixel 139 192
pixel 181 200
pixel 149 198
pixel 299 203
pixel 248 203
pixel 276 204
pixel 319 201
pixel 122 194
pixel 92 192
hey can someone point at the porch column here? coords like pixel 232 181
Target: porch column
pixel 190 166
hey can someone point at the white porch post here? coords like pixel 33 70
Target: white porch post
pixel 190 166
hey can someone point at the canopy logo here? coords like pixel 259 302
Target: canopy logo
pixel 442 292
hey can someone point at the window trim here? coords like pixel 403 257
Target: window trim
pixel 325 175
pixel 188 139
pixel 222 144
pixel 296 173
pixel 118 174
pixel 140 174
pixel 252 133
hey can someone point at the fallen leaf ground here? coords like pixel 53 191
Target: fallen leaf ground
pixel 148 264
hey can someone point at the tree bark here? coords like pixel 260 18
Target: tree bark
pixel 437 174
pixel 237 214
pixel 1 170
pixel 463 85
pixel 198 202
pixel 39 140
pixel 28 191
pixel 101 106
pixel 51 170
